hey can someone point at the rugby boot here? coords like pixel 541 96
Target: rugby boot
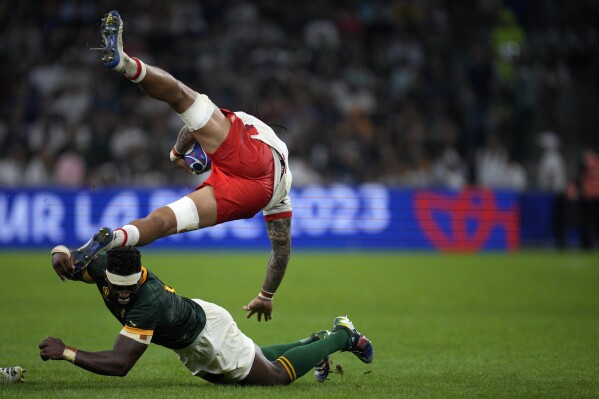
pixel 98 244
pixel 10 375
pixel 360 345
pixel 112 40
pixel 323 368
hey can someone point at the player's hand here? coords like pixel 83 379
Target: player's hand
pixel 178 160
pixel 52 349
pixel 260 307
pixel 181 164
pixel 62 263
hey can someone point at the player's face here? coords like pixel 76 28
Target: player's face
pixel 123 294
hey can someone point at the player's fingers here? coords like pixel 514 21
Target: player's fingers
pixel 57 267
pixel 69 268
pixel 61 276
pixel 62 268
pixel 181 164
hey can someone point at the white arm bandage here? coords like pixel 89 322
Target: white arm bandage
pixel 199 113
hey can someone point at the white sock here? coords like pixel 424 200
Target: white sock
pixel 126 236
pixel 133 68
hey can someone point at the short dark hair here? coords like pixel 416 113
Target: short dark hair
pixel 124 261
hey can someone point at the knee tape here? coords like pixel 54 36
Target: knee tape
pixel 199 113
pixel 186 214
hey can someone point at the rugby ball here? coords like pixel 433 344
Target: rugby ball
pixel 197 160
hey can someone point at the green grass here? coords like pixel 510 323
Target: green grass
pixel 483 326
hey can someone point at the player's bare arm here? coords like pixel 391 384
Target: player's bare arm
pixel 279 233
pixel 185 139
pixel 116 362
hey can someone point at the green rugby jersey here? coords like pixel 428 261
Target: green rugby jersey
pixel 173 321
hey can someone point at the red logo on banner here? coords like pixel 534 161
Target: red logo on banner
pixel 464 222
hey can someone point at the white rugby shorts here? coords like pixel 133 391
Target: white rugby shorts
pixel 221 348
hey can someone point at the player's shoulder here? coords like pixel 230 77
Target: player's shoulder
pixel 249 119
pixel 245 117
pixel 152 287
pixel 97 266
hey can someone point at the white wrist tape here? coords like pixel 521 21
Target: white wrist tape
pixel 199 113
pixel 60 249
pixel 69 354
pixel 173 156
pixel 186 214
pixel 264 298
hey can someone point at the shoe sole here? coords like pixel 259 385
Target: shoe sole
pixel 111 27
pixel 101 238
pixel 320 377
pixel 368 351
pixel 323 377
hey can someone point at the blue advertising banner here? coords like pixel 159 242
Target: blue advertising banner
pixel 368 216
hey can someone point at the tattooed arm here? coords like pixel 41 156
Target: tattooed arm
pixel 184 140
pixel 279 232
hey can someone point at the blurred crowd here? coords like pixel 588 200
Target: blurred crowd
pixel 409 93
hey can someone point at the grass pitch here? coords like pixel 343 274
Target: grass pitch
pixel 484 326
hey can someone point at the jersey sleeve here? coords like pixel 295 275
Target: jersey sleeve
pixel 141 321
pixel 137 334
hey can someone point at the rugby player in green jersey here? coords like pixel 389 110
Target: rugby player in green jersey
pixel 202 334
